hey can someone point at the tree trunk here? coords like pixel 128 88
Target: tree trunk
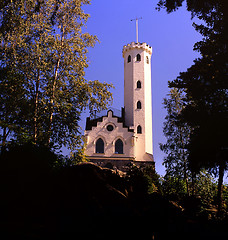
pixel 53 89
pixel 186 176
pixel 36 110
pixel 52 102
pixel 4 139
pixel 193 183
pixel 5 135
pixel 181 130
pixel 220 187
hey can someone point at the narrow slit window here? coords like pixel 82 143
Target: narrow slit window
pixel 147 59
pixel 139 105
pixel 139 85
pixel 138 57
pixel 139 129
pixel 129 59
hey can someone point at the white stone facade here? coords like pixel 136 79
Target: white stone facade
pixel 109 138
pixel 133 129
pixel 134 71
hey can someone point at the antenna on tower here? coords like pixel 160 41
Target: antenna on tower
pixel 137 28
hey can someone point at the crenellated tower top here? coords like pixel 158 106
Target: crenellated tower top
pixel 134 45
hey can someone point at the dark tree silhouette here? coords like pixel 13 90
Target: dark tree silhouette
pixel 206 87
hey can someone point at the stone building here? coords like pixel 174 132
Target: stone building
pixel 126 137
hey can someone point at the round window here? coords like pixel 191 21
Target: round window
pixel 110 127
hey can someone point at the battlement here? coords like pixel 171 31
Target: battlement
pixel 134 45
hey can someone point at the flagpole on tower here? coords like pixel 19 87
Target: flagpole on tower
pixel 137 28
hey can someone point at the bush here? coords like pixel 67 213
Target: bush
pixel 174 188
pixel 143 180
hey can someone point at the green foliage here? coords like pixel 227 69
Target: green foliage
pixel 197 8
pixel 13 102
pixel 225 196
pixel 205 86
pixel 177 135
pixel 206 188
pixel 201 190
pixel 79 156
pixel 154 179
pixel 143 180
pixel 174 188
pixel 43 43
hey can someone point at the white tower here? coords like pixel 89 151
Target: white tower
pixel 137 97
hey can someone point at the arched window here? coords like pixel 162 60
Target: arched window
pixel 119 146
pixel 139 129
pixel 139 105
pixel 100 146
pixel 129 59
pixel 147 59
pixel 139 85
pixel 138 57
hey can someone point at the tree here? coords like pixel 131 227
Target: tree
pixel 177 138
pixel 44 42
pixel 197 8
pixel 12 102
pixel 206 88
pixel 206 188
pixel 142 180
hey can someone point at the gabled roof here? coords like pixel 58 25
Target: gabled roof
pixel 93 122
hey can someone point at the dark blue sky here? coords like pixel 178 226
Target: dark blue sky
pixel 171 36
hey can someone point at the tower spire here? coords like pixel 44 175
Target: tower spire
pixel 137 27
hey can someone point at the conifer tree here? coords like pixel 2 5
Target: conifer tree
pixel 206 88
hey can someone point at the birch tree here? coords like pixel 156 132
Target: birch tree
pixel 177 134
pixel 44 41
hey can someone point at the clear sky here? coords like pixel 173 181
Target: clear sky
pixel 171 36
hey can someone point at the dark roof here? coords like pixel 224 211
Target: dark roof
pixel 93 122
